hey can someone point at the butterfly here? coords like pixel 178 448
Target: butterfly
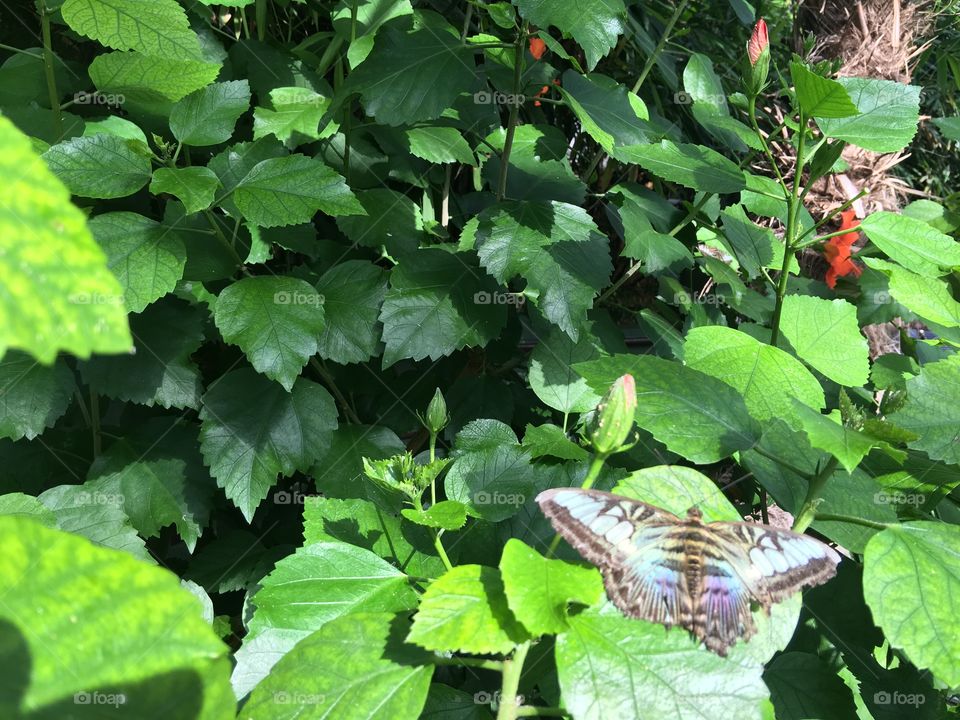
pixel 700 576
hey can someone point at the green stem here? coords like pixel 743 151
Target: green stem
pixel 48 69
pixel 827 218
pixel 495 665
pixel 261 20
pixel 596 465
pixel 328 379
pixel 21 51
pixel 535 711
pixel 790 236
pixel 438 544
pixel 512 670
pixel 852 519
pixel 809 508
pixel 433 456
pixel 222 238
pixel 514 111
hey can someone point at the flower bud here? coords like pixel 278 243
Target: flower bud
pixel 613 418
pixel 436 418
pixel 758 55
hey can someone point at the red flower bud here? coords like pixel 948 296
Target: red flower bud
pixel 759 41
pixel 537 48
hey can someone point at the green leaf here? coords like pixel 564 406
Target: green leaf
pixel 339 469
pixel 390 219
pixel 32 396
pixel 160 371
pixel 100 166
pixel 824 433
pixel 804 686
pixel 676 489
pixel 252 431
pixel 295 115
pixel 889 113
pixel 27 506
pixel 409 77
pixel 275 320
pixel 491 473
pixel 820 97
pixel 538 589
pixel 596 25
pixel 57 292
pixel 359 24
pixel 932 410
pixel 207 116
pixel 440 145
pixel 693 166
pixel 193 186
pixel 372 675
pixel 641 241
pixel 353 292
pixel 609 112
pixel 552 377
pixel 949 126
pixel 539 169
pixel 466 610
pixel 290 190
pixel 445 515
pixel 767 377
pixel 693 414
pixel 51 579
pixel 556 247
pixel 158 473
pixel 158 28
pixel 550 441
pixel 320 582
pixel 752 245
pixel 612 666
pixel 703 85
pixel 150 79
pixel 146 257
pixel 930 298
pixel 431 309
pixel 911 572
pixel 362 523
pixel 912 243
pixel 825 335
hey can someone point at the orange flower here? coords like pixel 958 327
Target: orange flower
pixel 759 41
pixel 537 48
pixel 837 250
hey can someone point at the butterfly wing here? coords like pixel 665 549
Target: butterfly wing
pixel 626 539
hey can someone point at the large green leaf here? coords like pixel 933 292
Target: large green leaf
pixel 819 96
pixel 930 298
pixel 275 320
pixel 391 220
pixel 432 307
pixel 754 247
pixel 912 243
pixel 290 190
pixel 150 79
pixel 253 431
pixel 693 414
pixel 932 410
pixel 610 113
pixel 825 335
pixel 146 257
pixel 693 166
pixel 555 247
pixel 353 293
pixel 367 673
pixel 159 27
pixel 829 435
pixel 57 293
pixel 409 77
pixel 610 666
pixel 193 186
pixel 767 377
pixel 553 378
pixel 359 24
pixel 594 24
pixel 320 582
pixel 294 116
pixel 140 638
pixel 538 588
pixel 440 145
pixel 911 574
pixel 466 610
pixel 339 469
pixel 100 166
pixel 207 116
pixel 32 396
pixel 642 241
pixel 889 113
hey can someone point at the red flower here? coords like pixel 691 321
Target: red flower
pixel 759 41
pixel 537 48
pixel 837 250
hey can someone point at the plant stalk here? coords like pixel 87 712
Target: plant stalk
pixel 49 70
pixel 514 112
pixel 512 670
pixel 808 510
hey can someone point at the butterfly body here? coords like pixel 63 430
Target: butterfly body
pixel 700 576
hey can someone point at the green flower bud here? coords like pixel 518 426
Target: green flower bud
pixel 436 418
pixel 613 419
pixel 758 59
